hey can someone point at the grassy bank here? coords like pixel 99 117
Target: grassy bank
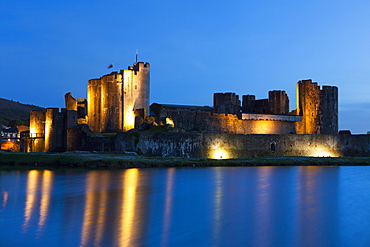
pixel 95 160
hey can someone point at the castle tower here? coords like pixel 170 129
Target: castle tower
pixel 318 108
pixel 113 99
pixel 329 110
pixel 278 102
pixel 308 100
pixel 247 103
pixel 227 103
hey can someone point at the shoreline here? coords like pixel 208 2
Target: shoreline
pixel 86 160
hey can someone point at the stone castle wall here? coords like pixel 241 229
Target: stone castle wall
pixel 213 145
pixel 202 119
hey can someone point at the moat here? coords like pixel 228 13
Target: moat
pixel 220 206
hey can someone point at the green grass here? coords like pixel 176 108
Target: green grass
pixel 109 161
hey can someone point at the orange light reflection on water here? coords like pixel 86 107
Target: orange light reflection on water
pixel 94 221
pixel 32 180
pixel 126 230
pixel 47 180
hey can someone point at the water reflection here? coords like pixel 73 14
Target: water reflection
pixel 46 186
pixel 217 206
pixel 317 205
pixel 252 206
pixel 263 209
pixel 5 199
pixel 127 230
pixel 37 181
pixel 31 196
pixel 95 208
pixel 167 211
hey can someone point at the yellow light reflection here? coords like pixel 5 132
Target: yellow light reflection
pixel 32 180
pixel 47 179
pixel 126 231
pixel 5 199
pixel 168 206
pixel 88 223
pixel 95 208
pixel 103 198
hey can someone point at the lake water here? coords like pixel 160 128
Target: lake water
pixel 233 206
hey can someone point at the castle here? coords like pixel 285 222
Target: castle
pixel 117 106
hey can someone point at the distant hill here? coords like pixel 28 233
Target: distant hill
pixel 14 113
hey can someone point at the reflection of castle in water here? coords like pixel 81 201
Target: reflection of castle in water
pixel 134 206
pixel 38 181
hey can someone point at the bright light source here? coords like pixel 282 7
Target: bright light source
pixel 219 154
pixel 324 153
pixel 170 122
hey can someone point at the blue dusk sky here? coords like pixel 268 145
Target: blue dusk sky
pixel 195 48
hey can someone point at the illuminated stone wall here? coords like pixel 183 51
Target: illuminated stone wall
pixel 113 98
pixel 212 145
pixel 56 125
pixel 308 100
pixel 202 119
pixel 37 131
pixel 48 130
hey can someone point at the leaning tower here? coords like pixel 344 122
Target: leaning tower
pixel 115 99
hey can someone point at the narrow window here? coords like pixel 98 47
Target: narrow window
pixel 272 146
